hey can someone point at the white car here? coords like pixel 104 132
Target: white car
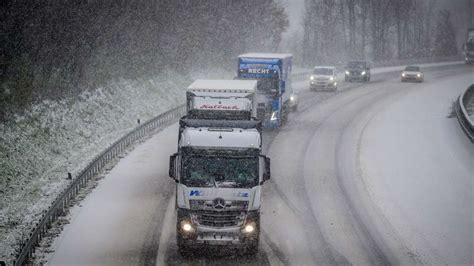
pixel 324 78
pixel 412 73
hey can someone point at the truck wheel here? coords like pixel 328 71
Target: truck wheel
pixel 183 249
pixel 251 249
pixel 284 115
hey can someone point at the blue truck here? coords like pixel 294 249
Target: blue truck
pixel 274 93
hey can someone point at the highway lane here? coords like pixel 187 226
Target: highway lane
pixel 315 208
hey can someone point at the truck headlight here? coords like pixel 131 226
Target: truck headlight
pixel 250 228
pixel 274 116
pixel 418 75
pixel 363 73
pixel 347 72
pixel 331 78
pixel 311 78
pixel 187 227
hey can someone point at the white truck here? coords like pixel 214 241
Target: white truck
pixel 219 171
pixel 275 93
pixel 222 99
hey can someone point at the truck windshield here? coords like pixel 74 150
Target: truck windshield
pixel 322 71
pixel 201 171
pixel 267 86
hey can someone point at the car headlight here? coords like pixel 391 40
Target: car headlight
pixel 347 72
pixel 418 75
pixel 274 116
pixel 363 73
pixel 311 78
pixel 403 74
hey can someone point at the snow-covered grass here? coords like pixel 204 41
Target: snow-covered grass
pixel 52 138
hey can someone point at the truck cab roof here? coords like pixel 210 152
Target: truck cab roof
pixel 243 134
pixel 266 55
pixel 222 86
pixel 225 138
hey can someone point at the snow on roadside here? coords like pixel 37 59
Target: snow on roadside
pixel 38 149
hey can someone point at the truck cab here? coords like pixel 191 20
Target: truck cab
pixel 222 99
pixel 273 72
pixel 219 171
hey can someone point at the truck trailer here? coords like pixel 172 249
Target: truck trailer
pixel 273 72
pixel 219 171
pixel 222 99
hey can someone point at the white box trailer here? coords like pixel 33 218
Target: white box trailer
pixel 222 99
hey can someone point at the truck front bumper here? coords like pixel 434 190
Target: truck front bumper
pixel 201 235
pixel 218 237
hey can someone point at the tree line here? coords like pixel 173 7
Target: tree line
pixel 51 49
pixel 378 30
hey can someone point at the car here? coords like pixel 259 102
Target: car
pixel 324 78
pixel 412 73
pixel 357 70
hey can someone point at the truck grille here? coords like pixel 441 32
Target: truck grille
pixel 220 218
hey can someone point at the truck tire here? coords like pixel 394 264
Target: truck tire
pixel 251 249
pixel 284 115
pixel 183 249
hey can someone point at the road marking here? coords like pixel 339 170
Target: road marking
pixel 168 226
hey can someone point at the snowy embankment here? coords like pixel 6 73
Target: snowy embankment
pixel 53 138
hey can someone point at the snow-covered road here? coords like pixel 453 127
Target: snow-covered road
pixel 375 173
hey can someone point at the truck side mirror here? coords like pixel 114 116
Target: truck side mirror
pixel 172 169
pixel 266 174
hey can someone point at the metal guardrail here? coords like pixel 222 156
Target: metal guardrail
pixel 462 114
pixel 62 202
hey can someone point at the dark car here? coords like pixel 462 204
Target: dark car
pixel 357 70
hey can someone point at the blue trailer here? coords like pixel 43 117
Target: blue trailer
pixel 273 72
